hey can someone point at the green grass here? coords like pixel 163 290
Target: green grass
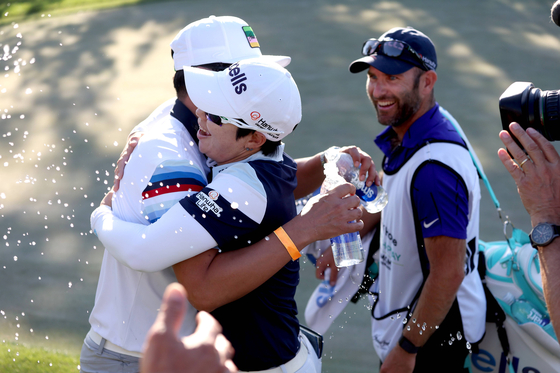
pixel 16 358
pixel 18 10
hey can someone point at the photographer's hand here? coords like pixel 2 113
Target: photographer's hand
pixel 538 178
pixel 538 184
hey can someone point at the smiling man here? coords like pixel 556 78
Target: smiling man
pixel 429 297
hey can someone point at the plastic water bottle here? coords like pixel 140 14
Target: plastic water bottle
pixel 347 248
pixel 373 198
pixel 524 312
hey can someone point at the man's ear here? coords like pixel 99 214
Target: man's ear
pixel 429 81
pixel 256 140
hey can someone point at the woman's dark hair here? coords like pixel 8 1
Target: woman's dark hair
pixel 179 83
pixel 269 147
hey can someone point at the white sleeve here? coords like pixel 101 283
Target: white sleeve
pixel 175 237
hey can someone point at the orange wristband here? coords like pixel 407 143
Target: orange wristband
pixel 288 243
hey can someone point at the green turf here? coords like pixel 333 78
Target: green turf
pixel 15 10
pixel 17 358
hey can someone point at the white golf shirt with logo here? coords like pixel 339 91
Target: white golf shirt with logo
pixel 165 167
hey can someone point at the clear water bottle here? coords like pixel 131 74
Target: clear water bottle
pixel 524 312
pixel 373 198
pixel 347 248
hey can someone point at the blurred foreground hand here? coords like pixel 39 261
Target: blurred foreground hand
pixel 204 351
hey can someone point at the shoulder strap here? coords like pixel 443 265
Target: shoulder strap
pixel 474 158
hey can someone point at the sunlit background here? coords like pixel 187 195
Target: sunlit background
pixel 73 86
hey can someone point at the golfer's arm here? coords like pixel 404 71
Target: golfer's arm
pixel 231 275
pixel 309 175
pixel 154 247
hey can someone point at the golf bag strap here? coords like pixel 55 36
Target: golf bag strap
pixel 494 313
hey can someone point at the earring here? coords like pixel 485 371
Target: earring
pixel 248 149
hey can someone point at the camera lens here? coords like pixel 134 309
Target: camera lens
pixel 531 107
pixel 550 117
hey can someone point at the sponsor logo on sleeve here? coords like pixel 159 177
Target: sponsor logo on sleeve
pixel 428 225
pixel 206 202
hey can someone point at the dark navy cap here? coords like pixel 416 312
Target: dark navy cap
pixel 406 60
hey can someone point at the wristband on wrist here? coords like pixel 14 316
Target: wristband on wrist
pixel 288 243
pixel 407 345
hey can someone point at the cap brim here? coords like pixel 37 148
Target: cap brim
pixel 204 90
pixel 280 60
pixel 387 65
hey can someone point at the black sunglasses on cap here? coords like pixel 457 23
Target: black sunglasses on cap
pixel 395 48
pixel 214 119
pixel 219 120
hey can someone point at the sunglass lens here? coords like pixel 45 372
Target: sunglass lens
pixel 369 47
pixel 393 48
pixel 214 119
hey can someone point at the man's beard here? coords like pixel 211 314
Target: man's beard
pixel 408 105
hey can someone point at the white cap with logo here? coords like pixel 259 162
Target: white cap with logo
pixel 218 39
pixel 254 94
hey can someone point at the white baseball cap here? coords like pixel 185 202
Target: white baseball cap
pixel 255 94
pixel 218 39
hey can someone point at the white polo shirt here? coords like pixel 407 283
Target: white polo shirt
pixel 165 167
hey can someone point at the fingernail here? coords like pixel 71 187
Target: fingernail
pixel 515 126
pixel 531 131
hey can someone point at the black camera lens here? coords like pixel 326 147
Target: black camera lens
pixel 531 107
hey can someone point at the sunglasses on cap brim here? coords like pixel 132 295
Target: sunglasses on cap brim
pixel 220 120
pixel 395 48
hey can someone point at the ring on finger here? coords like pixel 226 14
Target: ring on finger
pixel 523 162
